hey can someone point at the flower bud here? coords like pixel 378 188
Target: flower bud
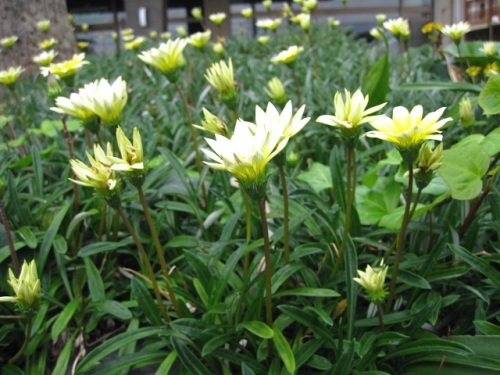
pixel 276 91
pixel 466 113
pixel 213 124
pixel 427 162
pixel 27 288
pixel 372 280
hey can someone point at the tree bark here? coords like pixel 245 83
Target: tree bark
pixel 19 17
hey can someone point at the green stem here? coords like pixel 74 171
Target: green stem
pixel 25 343
pixel 380 314
pixel 147 263
pixel 10 241
pixel 248 219
pixel 13 137
pixel 267 259
pixel 286 244
pixel 297 87
pixel 159 252
pixel 401 239
pixel 67 137
pixel 21 111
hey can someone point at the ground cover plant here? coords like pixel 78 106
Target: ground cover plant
pixel 156 220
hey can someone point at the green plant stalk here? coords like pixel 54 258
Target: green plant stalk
pixel 14 137
pixel 25 343
pixel 10 241
pixel 248 218
pixel 286 244
pixel 193 137
pixel 401 239
pixel 267 259
pixel 380 314
pixel 297 87
pixel 159 252
pixel 350 191
pixel 21 111
pixel 67 137
pixel 146 261
pixel 474 208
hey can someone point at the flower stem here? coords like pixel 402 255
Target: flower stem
pixel 193 137
pixel 67 137
pixel 380 314
pixel 297 87
pixel 146 261
pixel 159 252
pixel 8 234
pixel 25 343
pixel 267 258
pixel 13 136
pixel 286 244
pixel 21 111
pixel 400 239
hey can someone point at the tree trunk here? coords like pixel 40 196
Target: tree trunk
pixel 19 17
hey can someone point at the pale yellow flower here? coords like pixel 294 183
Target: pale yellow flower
pixel 197 14
pixel 9 77
pixel 465 112
pixel 372 280
pixel 351 113
pixel 45 58
pixel 427 162
pixel 85 27
pixel 491 69
pixel 27 288
pixel 128 31
pixel 127 38
pixel 43 25
pixel 213 124
pixel 407 130
pixel 78 105
pixel 269 24
pixel 309 5
pixel 200 39
pixel 108 101
pixel 153 35
pixel 334 23
pixel 48 43
pixel 134 44
pixel 218 48
pixel 8 41
pixel 247 12
pixel 286 12
pixel 168 58
pixel 398 27
pixel 276 91
pixel 267 4
pixel 304 20
pixel 489 49
pixel 380 18
pixel 263 39
pixel 165 35
pixel 65 69
pixel 132 153
pixel 221 77
pixel 376 33
pixel 288 56
pixel 456 31
pixel 217 18
pixel 82 45
pixel 181 31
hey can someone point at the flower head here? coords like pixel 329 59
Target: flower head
pixel 350 114
pixel 276 91
pixel 399 28
pixel 48 43
pixel 78 105
pixel 217 18
pixel 286 12
pixel 456 31
pixel 181 31
pixel 27 287
pixel 247 12
pixel 85 27
pixel 489 49
pixel 372 280
pixel 135 43
pixel 263 39
pixel 304 21
pixel 288 56
pixel 430 27
pixel 334 23
pixel 465 112
pixel 269 24
pixel 218 48
pixel 221 77
pixel 43 25
pixel 82 46
pixel 285 122
pixel 165 35
pixel 213 124
pixel 200 39
pixel 380 19
pixel 108 101
pixel 491 69
pixel 168 58
pixel 65 69
pixel 153 35
pixel 376 33
pixel 128 31
pixel 127 38
pixel 9 77
pixel 407 130
pixel 132 154
pixel 427 162
pixel 473 71
pixel 267 4
pixel 8 41
pixel 309 5
pixel 197 14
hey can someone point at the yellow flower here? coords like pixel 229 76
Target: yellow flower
pixel 372 280
pixel 376 33
pixel 9 41
pixel 276 91
pixel 429 27
pixel 213 124
pixel 134 44
pixel 288 56
pixel 78 105
pixel 465 112
pixel 153 35
pixel 218 48
pixel 428 161
pixel 491 69
pixel 473 70
pixel 263 39
pixel 197 14
pixel 350 114
pixel 99 175
pixel 286 11
pixel 168 58
pixel 334 23
pixel 285 122
pixel 267 4
pixel 221 77
pixel 304 20
pixel 132 153
pixel 217 18
pixel 108 101
pixel 48 43
pixel 127 38
pixel 128 31
pixel 456 31
pixel 65 69
pixel 181 31
pixel 398 27
pixel 9 77
pixel 165 35
pixel 200 39
pixel 27 287
pixel 43 25
pixel 380 19
pixel 489 49
pixel 247 12
pixel 85 27
pixel 269 24
pixel 82 45
pixel 407 130
pixel 310 4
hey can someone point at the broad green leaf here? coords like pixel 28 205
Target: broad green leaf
pixel 487 328
pixel 64 317
pixel 490 142
pixel 258 328
pixel 318 177
pixel 28 237
pixel 463 169
pixel 94 281
pixel 489 99
pixel 376 81
pixel 374 204
pixel 284 350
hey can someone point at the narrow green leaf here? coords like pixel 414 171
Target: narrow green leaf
pixel 37 171
pixel 183 241
pixel 94 281
pixel 64 317
pixel 308 292
pixel 487 328
pixel 101 247
pixel 28 237
pixel 258 328
pixel 114 308
pixel 11 370
pixel 49 237
pixel 435 345
pixel 145 302
pixel 437 86
pixel 63 358
pixel 77 219
pixel 215 343
pixel 245 370
pixel 351 270
pixel 477 263
pixel 284 350
pixel 412 279
pixel 167 364
pixel 188 359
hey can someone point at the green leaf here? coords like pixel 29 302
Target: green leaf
pixel 284 350
pixel 11 370
pixel 28 237
pixel 374 204
pixel 413 279
pixel 49 237
pixel 463 169
pixel 215 343
pixel 64 317
pixel 101 247
pixel 188 359
pixel 376 82
pixel 77 219
pixel 94 281
pixel 63 358
pixel 308 292
pixel 258 328
pixel 437 86
pixel 434 345
pixel 167 364
pixel 318 177
pixel 145 302
pixel 183 241
pixel 477 263
pixel 114 308
pixel 487 328
pixel 489 99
